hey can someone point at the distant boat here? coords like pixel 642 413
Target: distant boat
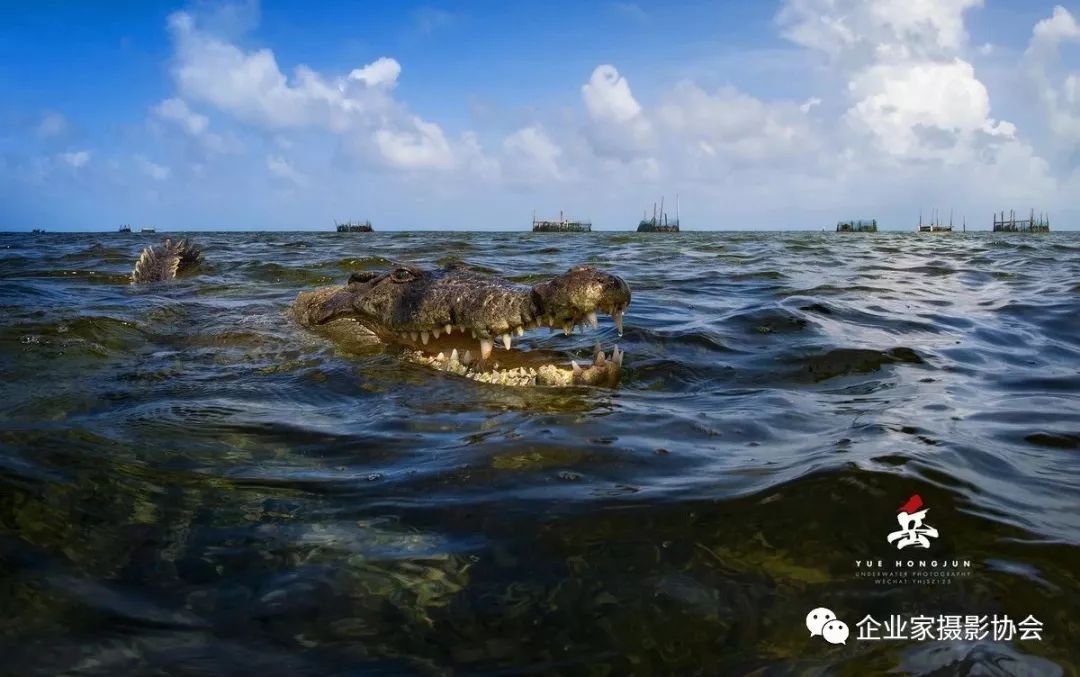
pixel 38 230
pixel 354 227
pixel 125 228
pixel 659 223
pixel 563 225
pixel 148 230
pixel 859 226
pixel 935 225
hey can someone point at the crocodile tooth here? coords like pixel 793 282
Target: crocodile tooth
pixel 576 366
pixel 473 332
pixel 618 317
pixel 486 345
pixel 600 359
pixel 596 347
pixel 519 331
pixel 448 329
pixel 506 341
pixel 568 328
pixel 436 332
pixel 414 336
pixel 441 357
pixel 617 356
pixel 424 336
pixel 591 317
pixel 467 357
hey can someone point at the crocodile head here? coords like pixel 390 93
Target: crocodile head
pixel 468 323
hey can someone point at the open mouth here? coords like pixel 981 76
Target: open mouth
pixel 477 325
pixel 507 358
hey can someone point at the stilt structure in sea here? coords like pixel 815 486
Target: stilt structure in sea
pixel 659 223
pixel 935 225
pixel 354 227
pixel 561 226
pixel 148 229
pixel 1011 224
pixel 859 226
pixel 125 228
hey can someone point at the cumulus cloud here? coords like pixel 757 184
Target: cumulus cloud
pixel 913 96
pixel 383 72
pixel 617 127
pixel 152 169
pixel 416 145
pixel 1060 95
pixel 175 110
pixel 532 154
pixel 923 110
pixel 869 30
pixel 250 86
pixel 282 169
pixel 734 127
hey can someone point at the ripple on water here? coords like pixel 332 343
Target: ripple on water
pixel 188 480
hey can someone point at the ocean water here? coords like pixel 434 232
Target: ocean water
pixel 191 484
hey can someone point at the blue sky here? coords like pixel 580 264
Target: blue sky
pixel 786 114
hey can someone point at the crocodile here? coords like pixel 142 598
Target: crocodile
pixel 166 261
pixel 452 319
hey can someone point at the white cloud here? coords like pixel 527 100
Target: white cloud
pixel 608 97
pixel 152 169
pixel 1060 95
pixel 617 126
pixel 76 159
pixel 866 30
pixel 924 110
pixel 532 154
pixel 282 169
pixel 914 99
pixel 359 107
pixel 734 127
pixel 1060 27
pixel 175 110
pixel 195 125
pixel 383 72
pixel 419 145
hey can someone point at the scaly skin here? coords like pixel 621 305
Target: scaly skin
pixel 452 318
pixel 166 261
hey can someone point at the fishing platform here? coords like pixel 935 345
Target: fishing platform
pixel 659 223
pixel 354 227
pixel 936 226
pixel 1033 224
pixel 125 228
pixel 857 226
pixel 561 226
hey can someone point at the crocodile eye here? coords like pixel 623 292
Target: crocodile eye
pixel 402 275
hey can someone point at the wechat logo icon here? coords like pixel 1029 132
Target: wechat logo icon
pixel 822 622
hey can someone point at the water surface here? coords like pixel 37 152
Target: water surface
pixel 190 483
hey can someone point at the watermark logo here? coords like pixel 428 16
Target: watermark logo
pixel 822 622
pixel 924 628
pixel 913 531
